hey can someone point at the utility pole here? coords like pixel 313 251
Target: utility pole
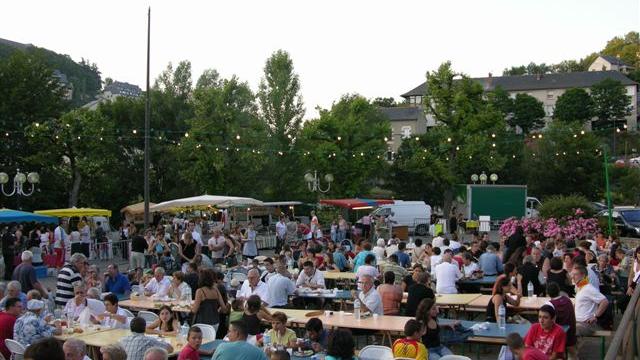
pixel 608 190
pixel 147 120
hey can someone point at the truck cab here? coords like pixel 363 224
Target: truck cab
pixel 532 207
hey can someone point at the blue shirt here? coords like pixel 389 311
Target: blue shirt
pixel 30 328
pixel 359 259
pixel 119 285
pixel 404 259
pixel 340 260
pixel 490 264
pixel 238 350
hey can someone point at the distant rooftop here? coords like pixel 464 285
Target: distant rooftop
pixel 583 79
pixel 401 113
pixel 613 60
pixel 118 88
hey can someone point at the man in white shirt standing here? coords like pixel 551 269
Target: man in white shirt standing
pixel 216 246
pixel 281 234
pixel 279 287
pixel 159 285
pixel 370 299
pixel 197 237
pixel 447 274
pixel 589 302
pixel 253 286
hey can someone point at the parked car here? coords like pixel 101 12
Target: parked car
pixel 625 219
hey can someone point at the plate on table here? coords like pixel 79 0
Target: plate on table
pixel 303 353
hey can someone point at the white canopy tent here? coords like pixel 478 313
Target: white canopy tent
pixel 206 200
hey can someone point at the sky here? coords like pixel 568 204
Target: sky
pixel 373 48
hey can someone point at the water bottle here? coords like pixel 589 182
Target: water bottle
pixel 290 264
pixel 184 332
pixel 266 340
pixel 502 317
pixel 356 309
pixel 530 289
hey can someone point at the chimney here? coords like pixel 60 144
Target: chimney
pixel 538 76
pixel 490 75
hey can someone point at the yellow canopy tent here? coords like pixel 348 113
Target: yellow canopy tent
pixel 72 212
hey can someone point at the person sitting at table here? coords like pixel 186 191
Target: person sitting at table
pixel 279 333
pixel 159 285
pixel 310 277
pixel 341 345
pixel 167 322
pixel 590 304
pixel 253 286
pixel 31 327
pixel 418 251
pixel 500 296
pixel 417 292
pixel 114 317
pixel 404 259
pixel 370 300
pixel 511 274
pixel 427 315
pixel 517 347
pixel 316 335
pixel 7 321
pixel 254 314
pixel 378 250
pixel 94 293
pixel 435 259
pixel 136 344
pixel 469 266
pixel 280 286
pixel 76 307
pixel 75 349
pixel 489 262
pixel 392 265
pixel 556 274
pixel 14 290
pixel 191 350
pixel 362 255
pixel 340 259
pixel 391 294
pixel 47 348
pixel 237 348
pixel 410 347
pixel 368 268
pixel 209 303
pixel 447 274
pixel 565 315
pixel 269 270
pixel 546 335
pixel 113 352
pixel 179 288
pixel 115 282
pixel 156 353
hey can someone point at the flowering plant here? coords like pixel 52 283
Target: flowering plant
pixel 570 227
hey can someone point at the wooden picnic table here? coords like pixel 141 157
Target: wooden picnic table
pixel 527 304
pixel 339 275
pixel 146 303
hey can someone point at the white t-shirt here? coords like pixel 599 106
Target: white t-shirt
pixel 316 279
pixel 159 288
pixel 367 270
pixel 372 301
pixel 435 260
pixel 114 324
pixel 454 245
pixel 587 300
pixel 281 229
pixel 391 249
pixel 469 269
pixel 217 241
pixel 197 237
pixel 261 290
pixel 446 275
pixel 437 242
pixel 379 252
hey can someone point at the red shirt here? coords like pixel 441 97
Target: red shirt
pixel 549 342
pixel 189 353
pixel 533 354
pixel 6 332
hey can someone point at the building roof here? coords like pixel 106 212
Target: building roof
pixel 614 60
pixel 62 78
pixel 582 79
pixel 123 89
pixel 401 113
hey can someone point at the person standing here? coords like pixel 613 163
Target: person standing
pixel 25 273
pixel 250 249
pixel 315 224
pixel 342 228
pixel 216 246
pixel 8 251
pixel 281 234
pixel 138 248
pixel 85 237
pixel 60 238
pixel 68 275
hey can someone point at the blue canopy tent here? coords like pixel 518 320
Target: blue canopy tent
pixel 9 216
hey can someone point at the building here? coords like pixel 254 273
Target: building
pixel 65 84
pixel 112 91
pixel 607 63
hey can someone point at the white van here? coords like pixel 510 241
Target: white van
pixel 414 214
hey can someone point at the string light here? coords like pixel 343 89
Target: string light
pixel 339 138
pixel 186 134
pixel 135 131
pixel 448 139
pixel 237 137
pixel 493 136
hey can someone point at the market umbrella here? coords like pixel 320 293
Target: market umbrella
pixel 73 212
pixel 206 200
pixel 9 216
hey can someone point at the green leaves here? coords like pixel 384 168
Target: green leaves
pixel 528 113
pixel 575 105
pixel 610 102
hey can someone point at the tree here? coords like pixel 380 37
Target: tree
pixel 627 48
pixel 528 113
pixel 500 100
pixel 348 142
pixel 567 66
pixel 384 102
pixel 611 104
pixel 282 111
pixel 575 105
pixel 561 164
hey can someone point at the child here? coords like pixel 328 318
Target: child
pixel 280 355
pixel 192 351
pixel 237 309
pixel 281 336
pixel 410 347
pixel 516 345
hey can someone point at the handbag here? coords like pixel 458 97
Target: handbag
pixel 458 335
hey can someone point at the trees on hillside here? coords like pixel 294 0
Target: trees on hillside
pixel 575 105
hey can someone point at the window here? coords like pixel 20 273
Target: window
pixel 548 110
pixel 405 132
pixel 549 95
pixel 418 100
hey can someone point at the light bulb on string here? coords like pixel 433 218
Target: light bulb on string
pixel 339 138
pixel 494 144
pixel 457 148
pixel 135 131
pixel 237 137
pixel 448 139
pixel 493 136
pixel 186 134
pixel 386 139
pixel 539 136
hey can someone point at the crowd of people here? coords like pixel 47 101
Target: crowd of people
pixel 176 261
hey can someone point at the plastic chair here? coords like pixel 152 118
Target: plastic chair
pixel 128 313
pixel 208 332
pixel 17 349
pixel 454 357
pixel 148 316
pixel 240 276
pixel 375 352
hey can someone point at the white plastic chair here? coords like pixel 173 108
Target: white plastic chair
pixel 128 313
pixel 375 352
pixel 240 276
pixel 454 357
pixel 148 316
pixel 208 332
pixel 17 349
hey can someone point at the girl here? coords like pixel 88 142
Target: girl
pixel 427 315
pixel 501 296
pixel 280 334
pixel 166 324
pixel 254 314
pixel 209 303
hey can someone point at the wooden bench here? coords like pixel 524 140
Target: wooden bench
pixel 602 334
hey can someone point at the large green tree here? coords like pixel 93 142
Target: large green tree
pixel 611 104
pixel 575 105
pixel 528 113
pixel 282 111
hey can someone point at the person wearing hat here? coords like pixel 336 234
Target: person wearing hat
pixel 30 327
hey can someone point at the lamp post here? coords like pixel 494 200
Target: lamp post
pixel 18 183
pixel 313 182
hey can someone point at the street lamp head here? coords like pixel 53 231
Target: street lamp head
pixel 4 178
pixel 474 178
pixel 483 178
pixel 20 178
pixel 33 178
pixel 328 178
pixel 493 177
pixel 308 177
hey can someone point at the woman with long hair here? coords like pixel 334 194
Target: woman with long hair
pixel 427 315
pixel 209 303
pixel 500 296
pixel 166 324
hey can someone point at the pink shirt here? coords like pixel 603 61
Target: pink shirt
pixel 189 353
pixel 391 298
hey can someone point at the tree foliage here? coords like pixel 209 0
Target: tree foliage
pixel 610 102
pixel 574 105
pixel 528 113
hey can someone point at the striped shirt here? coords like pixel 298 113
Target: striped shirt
pixel 64 286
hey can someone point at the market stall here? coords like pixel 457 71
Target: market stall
pixel 16 216
pixel 134 213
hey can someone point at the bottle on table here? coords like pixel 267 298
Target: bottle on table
pixel 530 289
pixel 266 341
pixel 184 333
pixel 502 317
pixel 356 309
